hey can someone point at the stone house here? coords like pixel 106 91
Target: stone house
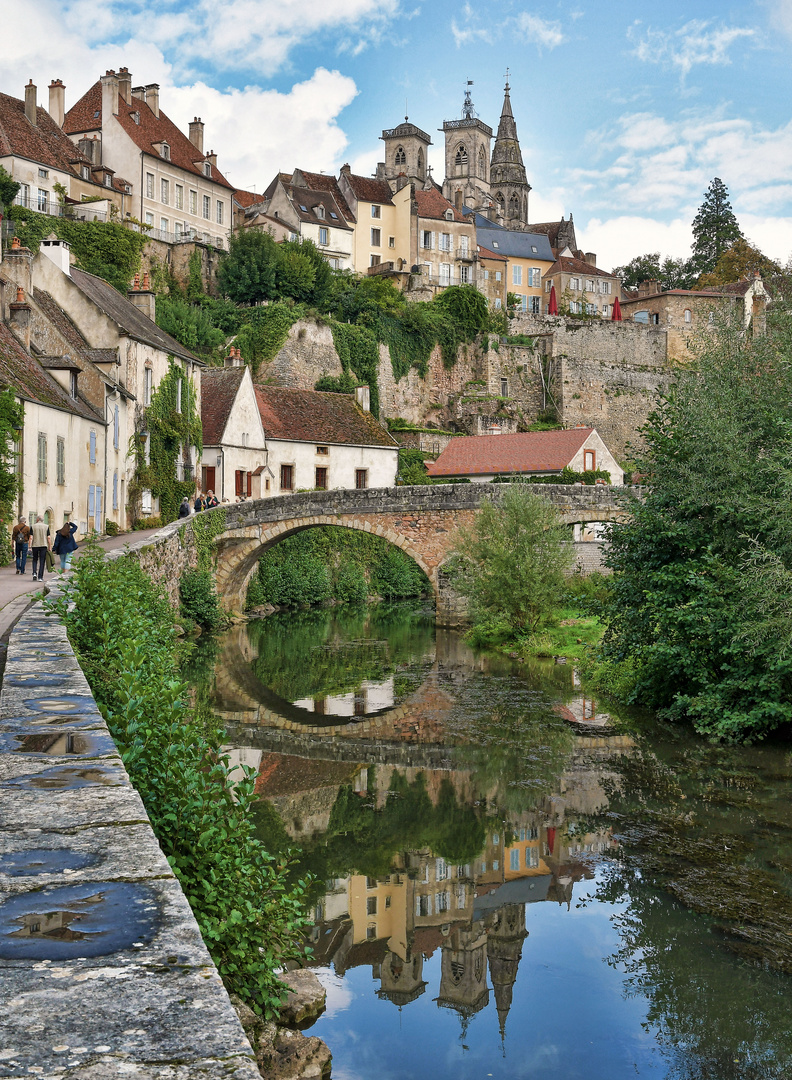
pixel 684 312
pixel 234 459
pixel 581 287
pixel 446 241
pixel 38 155
pixel 324 441
pixel 106 349
pixel 531 453
pixel 310 215
pixel 493 276
pixel 179 192
pixel 383 234
pixel 529 255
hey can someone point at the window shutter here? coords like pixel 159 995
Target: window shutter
pixel 91 500
pixel 115 427
pixel 92 451
pixel 115 490
pixel 99 508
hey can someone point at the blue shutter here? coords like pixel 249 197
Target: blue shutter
pixel 92 452
pixel 99 509
pixel 115 490
pixel 91 500
pixel 115 428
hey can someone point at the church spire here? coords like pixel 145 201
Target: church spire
pixel 508 181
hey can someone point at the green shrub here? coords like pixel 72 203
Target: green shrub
pixel 111 527
pixel 199 599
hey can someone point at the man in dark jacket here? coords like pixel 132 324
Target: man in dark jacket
pixel 20 538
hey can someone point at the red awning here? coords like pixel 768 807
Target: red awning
pixel 617 312
pixel 552 307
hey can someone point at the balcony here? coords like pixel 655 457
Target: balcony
pixel 465 254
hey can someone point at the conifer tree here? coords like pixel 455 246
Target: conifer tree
pixel 715 228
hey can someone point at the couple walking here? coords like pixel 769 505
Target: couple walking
pixel 64 545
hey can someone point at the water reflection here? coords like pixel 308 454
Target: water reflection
pixel 491 857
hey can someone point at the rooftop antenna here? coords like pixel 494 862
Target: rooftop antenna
pixel 468 112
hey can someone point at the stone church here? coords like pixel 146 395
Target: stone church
pixel 479 176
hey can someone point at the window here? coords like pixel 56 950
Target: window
pixel 461 158
pixel 116 425
pixel 391 241
pixel 464 275
pixel 589 285
pixel 535 305
pixel 115 490
pixel 165 151
pixel 504 387
pixel 149 218
pixel 535 277
pixel 426 239
pixel 441 869
pixel 164 224
pixel 147 385
pixel 321 478
pixel 92 500
pixel 178 229
pixel 589 460
pixel 43 174
pixel 445 273
pixel 207 207
pixel 145 502
pixel 361 478
pixel 149 185
pixel 239 482
pixel 688 315
pixel 641 316
pixel 92 447
pixel 486 275
pixel 375 260
pixel 108 180
pixel 387 901
pixel 99 506
pixel 42 458
pixel 441 902
pixel 400 158
pixel 164 191
pixel 591 309
pixel 496 864
pixel 516 275
pixel 207 168
pixel 606 310
pixel 178 201
pixel 320 212
pixel 521 301
pixel 322 450
pixel 576 307
pixel 498 303
pixel 85 172
pixel 219 214
pixel 445 241
pixel 193 202
pixel 60 462
pixel 514 859
pixel 498 275
pixel 179 396
pixel 43 198
pixel 574 283
pixel 73 384
pixel 422 905
pixel 376 211
pixel 605 288
pixel 375 237
pixel 371 905
pixel 531 858
pixel 287 477
pixel 323 235
pixel 548 285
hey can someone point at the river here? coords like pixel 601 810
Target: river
pixel 507 881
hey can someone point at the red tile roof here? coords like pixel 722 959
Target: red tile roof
pixel 247 198
pixel 45 143
pixel 527 452
pixel 576 266
pixel 485 253
pixel 151 129
pixel 23 373
pixel 432 204
pixel 369 189
pixel 323 182
pixel 320 417
pixel 219 388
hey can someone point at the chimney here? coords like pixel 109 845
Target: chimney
pixel 139 93
pixel 125 85
pixel 234 358
pixel 212 158
pixel 143 297
pixel 58 251
pixel 109 95
pixel 91 148
pixel 196 133
pixel 152 97
pixel 57 101
pixel 18 264
pixel 346 168
pixel 30 102
pixel 363 398
pixel 591 258
pixel 19 318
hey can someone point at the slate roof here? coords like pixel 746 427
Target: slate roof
pixel 61 321
pixel 432 204
pixel 519 245
pixel 550 230
pixel 323 182
pixel 219 387
pixel 369 189
pixel 24 374
pixel 576 266
pixel 525 452
pixel 318 417
pixel 306 197
pixel 129 319
pixel 152 129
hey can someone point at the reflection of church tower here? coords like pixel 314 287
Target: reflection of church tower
pixel 504 952
pixel 400 980
pixel 467 153
pixel 463 972
pixel 508 183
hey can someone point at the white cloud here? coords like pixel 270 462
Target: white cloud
pixel 697 42
pixel 539 31
pixel 619 239
pixel 779 14
pixel 470 29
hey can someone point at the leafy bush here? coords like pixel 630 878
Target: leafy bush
pixel 123 630
pixel 198 597
pixel 341 384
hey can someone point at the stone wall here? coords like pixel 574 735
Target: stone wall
pixel 177 258
pixel 133 990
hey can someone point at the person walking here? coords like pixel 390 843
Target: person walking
pixel 65 544
pixel 184 509
pixel 41 542
pixel 20 538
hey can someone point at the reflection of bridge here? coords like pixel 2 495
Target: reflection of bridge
pixel 422 521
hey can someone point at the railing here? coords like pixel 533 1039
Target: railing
pixel 467 254
pixel 452 125
pixel 43 206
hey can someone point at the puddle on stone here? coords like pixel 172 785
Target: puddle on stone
pixel 35 678
pixel 68 777
pixel 74 921
pixel 90 720
pixel 59 744
pixel 44 861
pixel 75 703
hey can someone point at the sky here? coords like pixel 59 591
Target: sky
pixel 625 111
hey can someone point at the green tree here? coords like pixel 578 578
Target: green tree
pixel 514 559
pixel 703 568
pixel 671 273
pixel 715 228
pixel 9 189
pixel 741 260
pixel 248 273
pixel 296 273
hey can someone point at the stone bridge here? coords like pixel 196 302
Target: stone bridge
pixel 422 521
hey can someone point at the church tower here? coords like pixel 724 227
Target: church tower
pixel 508 183
pixel 406 148
pixel 467 154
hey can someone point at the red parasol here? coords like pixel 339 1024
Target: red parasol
pixel 617 313
pixel 552 307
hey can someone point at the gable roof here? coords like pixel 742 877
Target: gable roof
pixel 432 204
pixel 323 182
pixel 318 417
pixel 23 373
pixel 150 130
pixel 485 253
pixel 370 189
pixel 526 452
pixel 519 245
pixel 576 266
pixel 219 388
pixel 305 200
pixel 247 198
pixel 129 319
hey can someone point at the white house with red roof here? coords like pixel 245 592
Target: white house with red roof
pixel 179 192
pixel 234 458
pixel 482 458
pixel 314 214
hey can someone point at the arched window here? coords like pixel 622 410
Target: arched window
pixel 482 163
pixel 499 199
pixel 401 157
pixel 461 158
pixel 514 206
pixel 420 162
pixel 688 315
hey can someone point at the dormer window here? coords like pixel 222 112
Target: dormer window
pixel 108 180
pixel 135 117
pixel 207 168
pixel 165 151
pixel 449 215
pixel 85 172
pixel 73 384
pixel 320 211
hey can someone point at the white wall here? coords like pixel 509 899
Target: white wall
pixel 604 458
pixel 340 461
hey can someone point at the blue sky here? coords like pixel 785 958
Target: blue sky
pixel 625 111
